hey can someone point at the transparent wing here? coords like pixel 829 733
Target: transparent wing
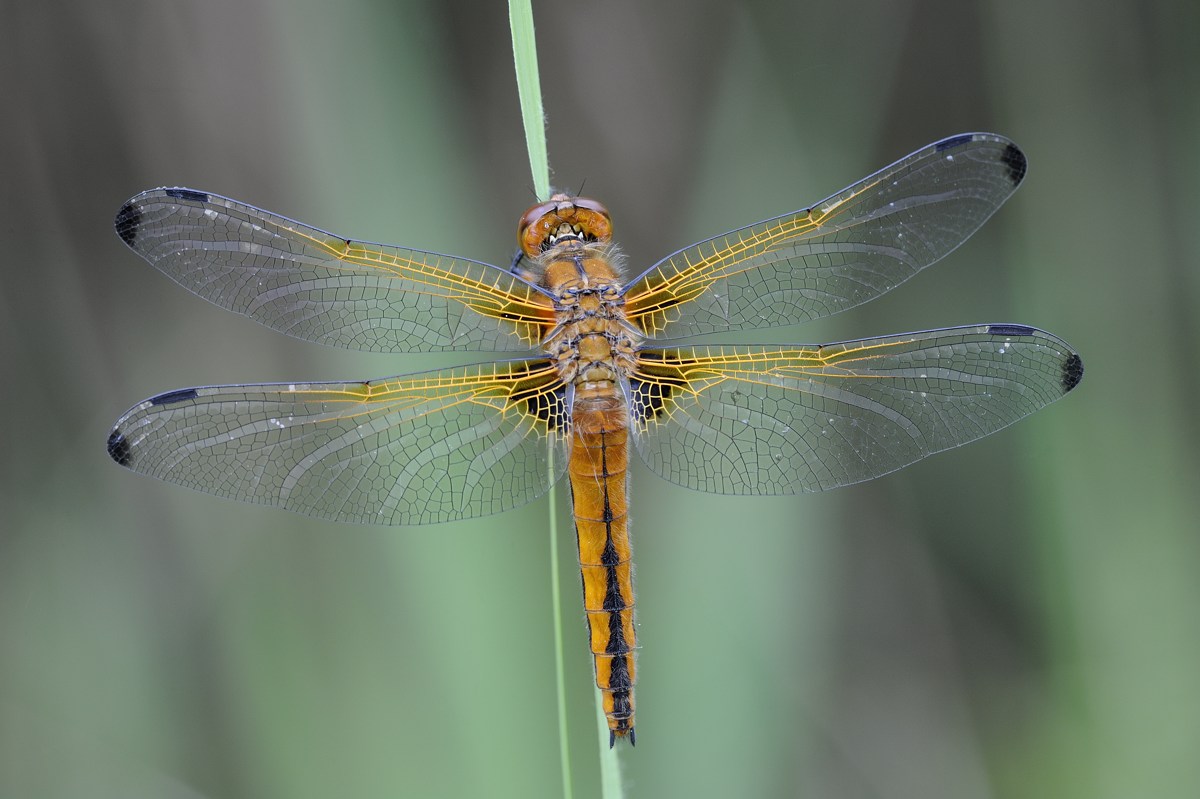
pixel 783 420
pixel 851 248
pixel 324 288
pixel 423 448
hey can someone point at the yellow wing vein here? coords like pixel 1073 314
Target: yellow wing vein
pixel 442 394
pixel 698 375
pixel 488 298
pixel 689 282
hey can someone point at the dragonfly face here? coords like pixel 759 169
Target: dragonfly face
pixel 544 224
pixel 592 380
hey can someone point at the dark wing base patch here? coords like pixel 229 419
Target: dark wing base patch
pixel 650 399
pixel 548 406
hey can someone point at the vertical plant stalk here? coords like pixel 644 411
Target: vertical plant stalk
pixel 610 766
pixel 520 16
pixel 560 681
pixel 529 89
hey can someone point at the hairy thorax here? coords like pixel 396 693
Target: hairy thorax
pixel 592 345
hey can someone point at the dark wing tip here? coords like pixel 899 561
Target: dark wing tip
pixel 612 739
pixel 188 194
pixel 118 448
pixel 128 220
pixel 1014 159
pixel 1072 366
pixel 179 395
pixel 1072 371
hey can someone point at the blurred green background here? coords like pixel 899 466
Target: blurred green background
pixel 1015 618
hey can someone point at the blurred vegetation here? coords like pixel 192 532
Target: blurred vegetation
pixel 1015 618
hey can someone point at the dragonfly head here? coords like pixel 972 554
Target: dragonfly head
pixel 562 217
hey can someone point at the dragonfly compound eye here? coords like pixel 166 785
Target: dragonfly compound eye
pixel 562 217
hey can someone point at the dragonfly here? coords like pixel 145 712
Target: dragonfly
pixel 593 369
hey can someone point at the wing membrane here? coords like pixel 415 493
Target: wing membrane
pixel 423 448
pixel 324 288
pixel 848 249
pixel 783 420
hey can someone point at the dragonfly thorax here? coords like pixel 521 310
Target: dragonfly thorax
pixel 593 342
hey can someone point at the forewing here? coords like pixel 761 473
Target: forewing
pixel 851 248
pixel 783 420
pixel 423 448
pixel 324 288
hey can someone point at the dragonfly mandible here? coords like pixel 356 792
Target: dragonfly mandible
pixel 592 378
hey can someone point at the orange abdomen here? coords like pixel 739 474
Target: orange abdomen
pixel 599 475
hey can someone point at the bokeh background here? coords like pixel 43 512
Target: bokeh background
pixel 1015 618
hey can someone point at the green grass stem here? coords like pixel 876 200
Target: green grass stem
pixel 520 15
pixel 610 765
pixel 560 682
pixel 529 88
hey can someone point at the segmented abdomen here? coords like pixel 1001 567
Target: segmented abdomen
pixel 599 475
